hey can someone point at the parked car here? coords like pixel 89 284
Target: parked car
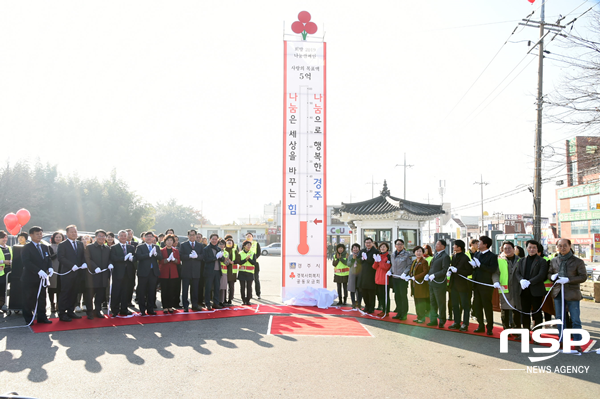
pixel 272 249
pixel 593 271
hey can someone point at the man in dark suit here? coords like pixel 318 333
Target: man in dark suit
pixel 367 275
pixel 148 256
pixel 71 257
pixel 485 264
pixel 460 288
pixel 437 285
pixel 191 254
pixel 97 256
pixel 201 282
pixel 131 283
pixel 37 266
pixel 122 256
pixel 212 272
pixel 531 272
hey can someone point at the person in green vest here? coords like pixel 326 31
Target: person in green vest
pixel 6 256
pixel 247 262
pixel 505 281
pixel 255 247
pixel 548 306
pixel 341 272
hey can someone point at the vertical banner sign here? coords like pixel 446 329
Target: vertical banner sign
pixel 304 181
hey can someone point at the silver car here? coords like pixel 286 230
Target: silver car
pixel 272 249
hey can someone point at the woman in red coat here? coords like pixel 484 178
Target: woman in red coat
pixel 170 285
pixel 382 264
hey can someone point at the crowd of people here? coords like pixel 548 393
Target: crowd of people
pixel 105 270
pixel 463 281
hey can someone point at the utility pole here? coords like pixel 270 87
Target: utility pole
pixel 481 183
pixel 405 166
pixel 372 183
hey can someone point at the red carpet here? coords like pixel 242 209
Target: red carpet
pixel 324 326
pixel 84 323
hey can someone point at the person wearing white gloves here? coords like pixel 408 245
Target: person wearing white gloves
pixel 485 264
pixel 438 268
pixel 122 257
pixel 212 273
pixel 37 265
pixel 460 287
pixel 71 258
pixel 401 262
pixel 531 272
pixel 569 272
pixel 367 275
pixel 148 256
pixel 505 282
pixel 97 257
pixel 419 286
pixel 170 284
pixel 191 270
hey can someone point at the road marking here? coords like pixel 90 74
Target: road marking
pixel 269 328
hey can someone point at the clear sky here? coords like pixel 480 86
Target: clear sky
pixel 175 92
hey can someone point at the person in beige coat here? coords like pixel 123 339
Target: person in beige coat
pixel 569 272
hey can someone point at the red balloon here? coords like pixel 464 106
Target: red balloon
pixel 297 27
pixel 310 28
pixel 15 230
pixel 304 17
pixel 10 221
pixel 24 216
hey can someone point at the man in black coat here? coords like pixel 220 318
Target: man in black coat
pixel 460 287
pixel 201 282
pixel 437 285
pixel 71 258
pixel 37 266
pixel 367 275
pixel 531 272
pixel 122 256
pixel 97 256
pixel 148 256
pixel 191 266
pixel 131 283
pixel 212 272
pixel 485 264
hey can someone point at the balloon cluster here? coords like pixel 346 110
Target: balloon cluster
pixel 304 25
pixel 14 222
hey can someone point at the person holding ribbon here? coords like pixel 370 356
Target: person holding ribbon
pixel 353 283
pixel 37 267
pixel 341 272
pixel 568 271
pixel 438 269
pixel 460 287
pixel 401 262
pixel 122 257
pixel 531 273
pixel 97 256
pixel 148 256
pixel 419 286
pixel 212 272
pixel 247 261
pixel 170 285
pixel 367 275
pixel 191 270
pixel 485 264
pixel 71 260
pixel 506 282
pixel 382 265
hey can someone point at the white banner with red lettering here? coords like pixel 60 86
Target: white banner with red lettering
pixel 304 210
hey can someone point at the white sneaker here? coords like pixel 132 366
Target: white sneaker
pixel 84 308
pixel 77 309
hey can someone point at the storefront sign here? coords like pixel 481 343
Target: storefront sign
pixel 578 191
pixel 583 215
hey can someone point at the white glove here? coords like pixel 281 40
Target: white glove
pixel 449 273
pixel 50 272
pixel 453 269
pixel 364 256
pixel 431 277
pixel 153 252
pixel 563 280
pixel 193 255
pixel 426 277
pixel 110 267
pixel 74 268
pixel 42 274
pixel 403 276
pixel 97 270
pixel 389 273
pixel 84 266
pixel 472 263
pixel 497 285
pixel 554 277
pixel 130 257
pixel 412 278
pixel 524 284
pixel 219 255
pixel 477 262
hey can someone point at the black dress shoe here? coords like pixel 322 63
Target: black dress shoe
pixel 442 325
pixel 45 321
pixel 125 313
pixel 209 308
pixel 64 317
pixel 186 310
pixel 98 314
pixel 480 329
pixel 432 323
pixel 454 326
pixel 489 332
pixel 90 316
pixel 113 314
pixel 195 309
pixel 217 307
pixel 142 313
pixel 464 328
pixel 397 317
pixel 73 316
pixel 151 313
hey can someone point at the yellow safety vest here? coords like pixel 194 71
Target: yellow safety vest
pixel 503 267
pixel 429 260
pixel 253 247
pixel 247 266
pixel 2 258
pixel 548 283
pixel 234 267
pixel 341 269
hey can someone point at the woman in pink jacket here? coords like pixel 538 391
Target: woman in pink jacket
pixel 382 265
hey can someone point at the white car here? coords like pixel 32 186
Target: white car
pixel 272 249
